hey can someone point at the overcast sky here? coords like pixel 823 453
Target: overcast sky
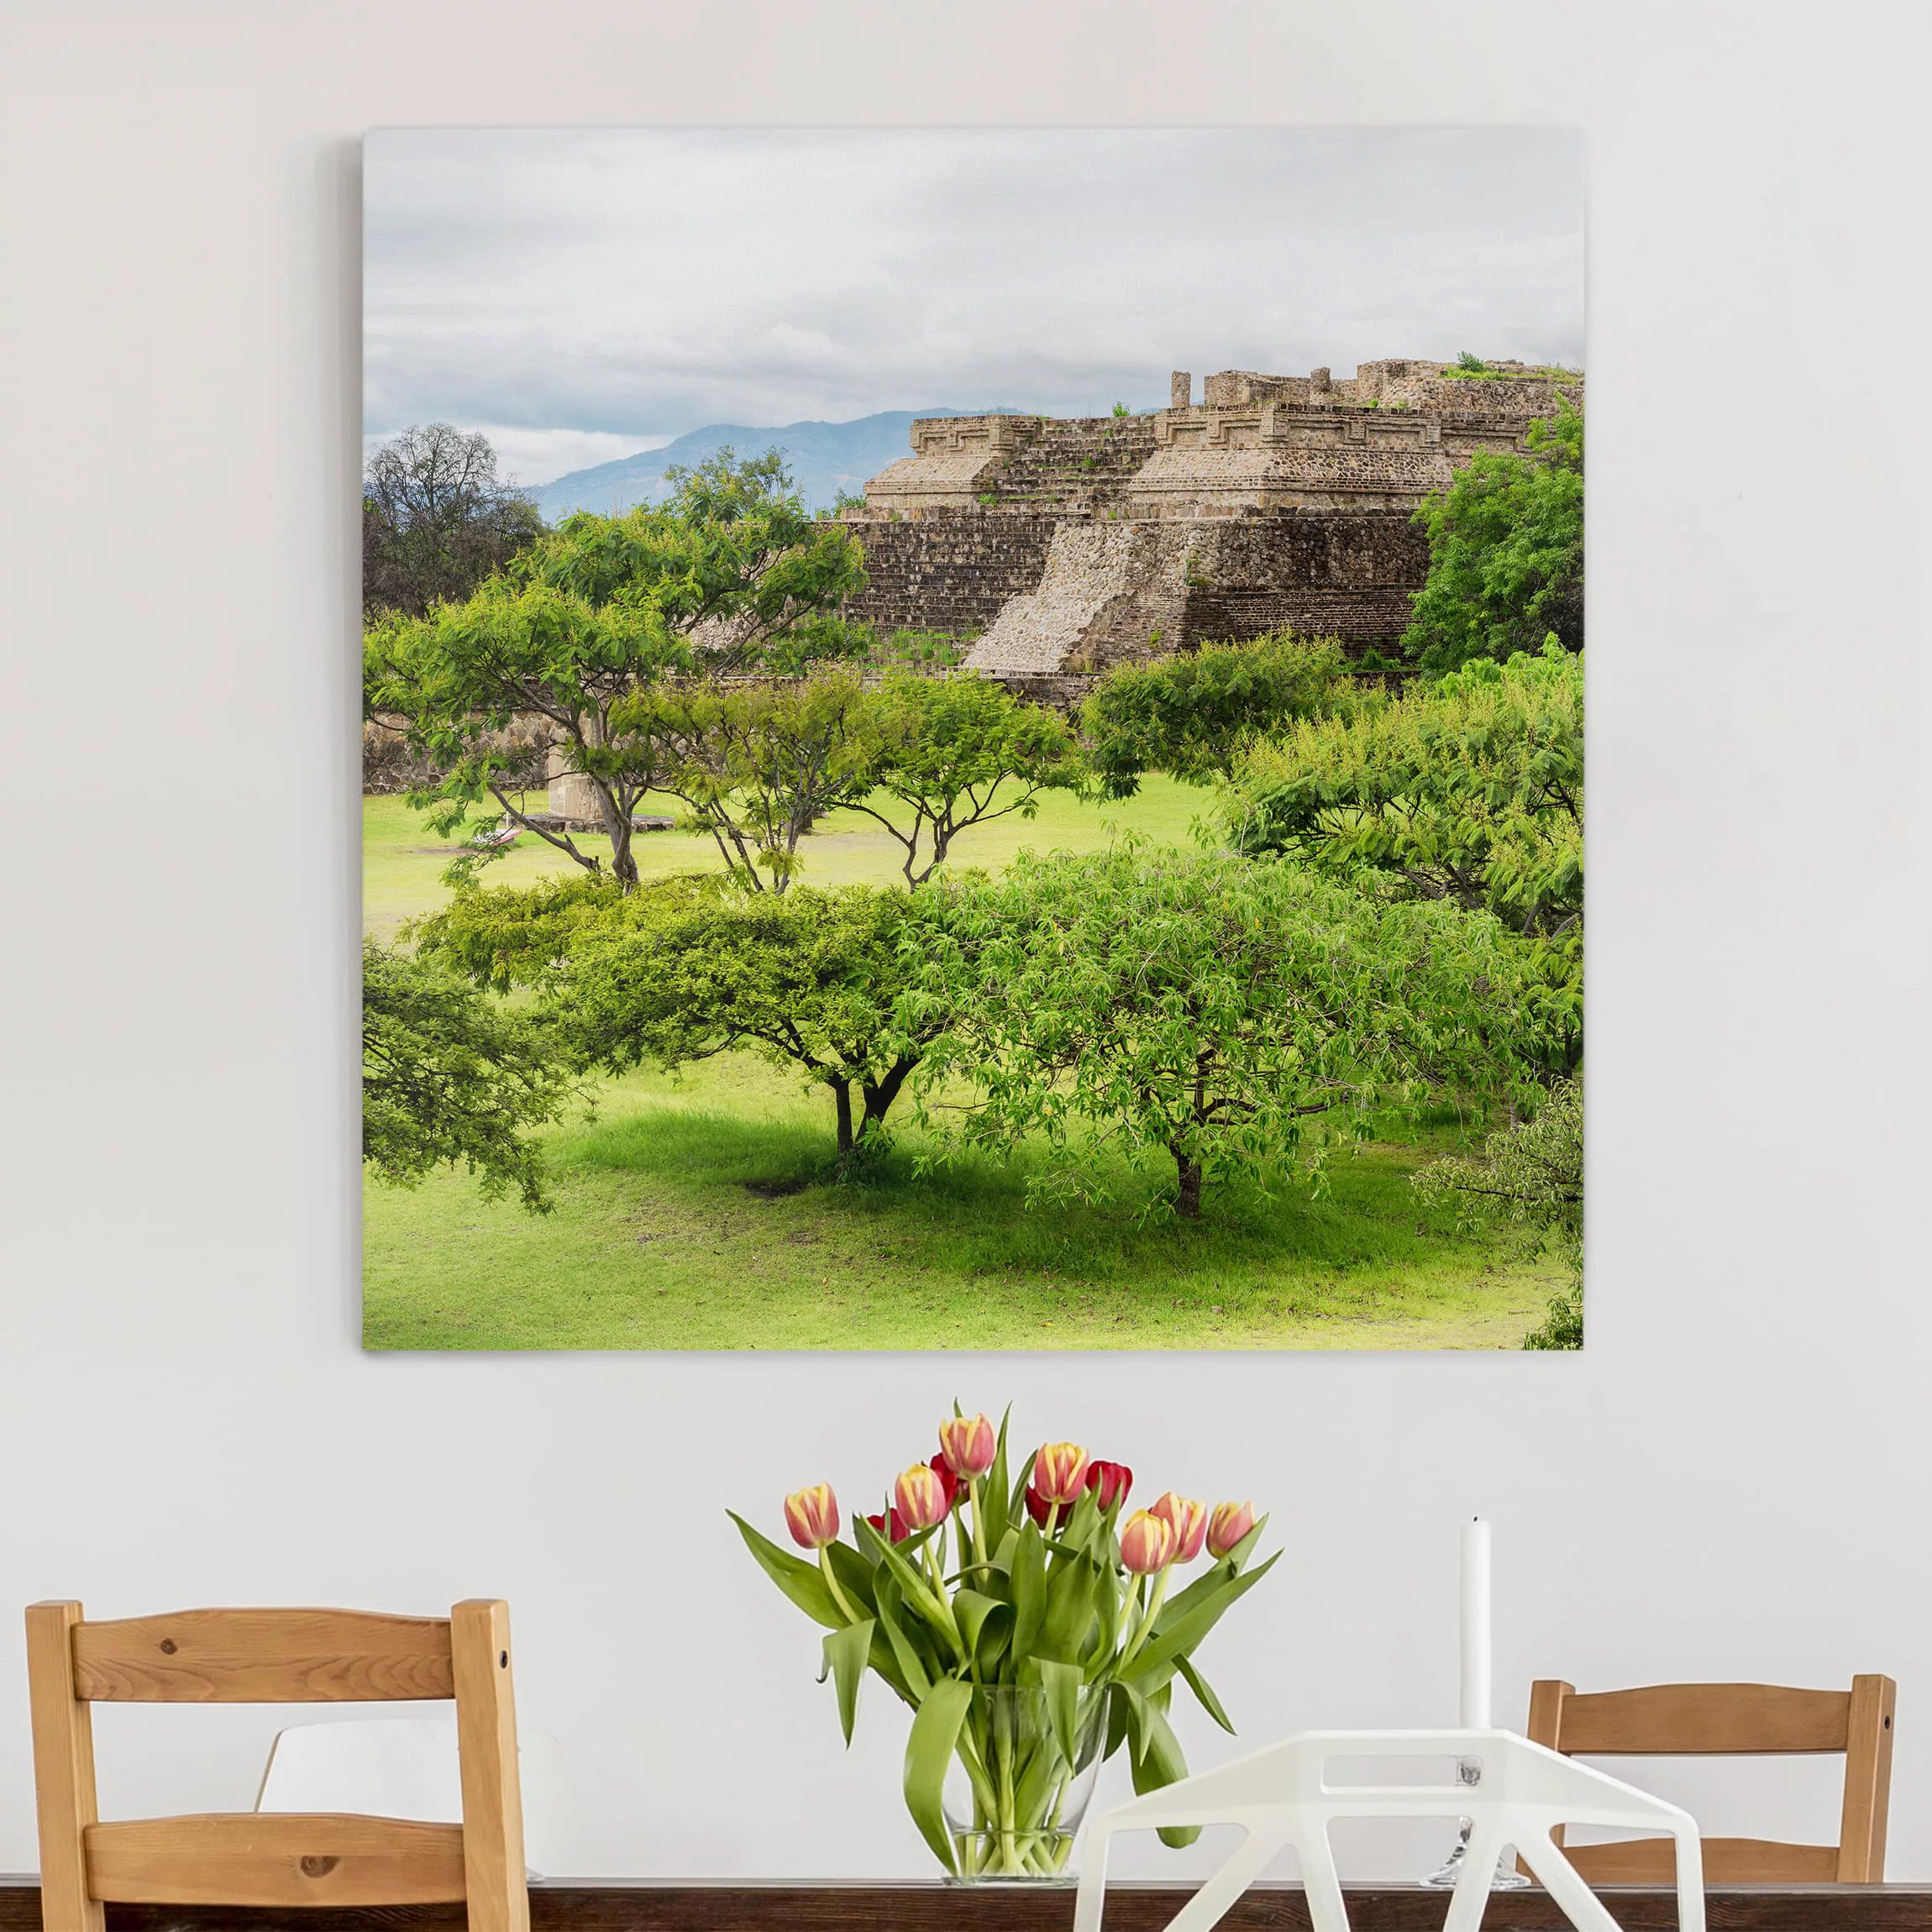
pixel 581 293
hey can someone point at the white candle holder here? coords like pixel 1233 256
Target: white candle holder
pixel 1443 1878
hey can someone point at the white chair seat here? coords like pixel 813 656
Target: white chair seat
pixel 1283 1797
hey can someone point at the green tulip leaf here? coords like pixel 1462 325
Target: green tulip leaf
pixel 1070 1586
pixel 1029 1580
pixel 983 1621
pixel 914 1666
pixel 1204 1693
pixel 996 1515
pixel 1159 1763
pixel 855 1575
pixel 1017 1496
pixel 847 1653
pixel 1175 1640
pixel 1061 1684
pixel 917 1589
pixel 1083 1520
pixel 800 1581
pixel 928 1751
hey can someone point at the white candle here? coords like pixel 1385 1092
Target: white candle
pixel 1476 1625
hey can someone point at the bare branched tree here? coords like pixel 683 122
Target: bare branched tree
pixel 436 519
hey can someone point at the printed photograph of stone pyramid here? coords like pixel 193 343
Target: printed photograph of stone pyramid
pixel 972 739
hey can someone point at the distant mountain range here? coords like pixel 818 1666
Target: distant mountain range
pixel 825 458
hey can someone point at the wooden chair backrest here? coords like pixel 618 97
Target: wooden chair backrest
pixel 1701 1720
pixel 268 1859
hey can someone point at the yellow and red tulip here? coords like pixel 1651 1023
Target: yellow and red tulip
pixel 812 1516
pixel 920 1497
pixel 1148 1543
pixel 1188 1520
pixel 1227 1525
pixel 1060 1471
pixel 969 1445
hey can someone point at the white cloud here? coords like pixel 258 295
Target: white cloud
pixel 533 456
pixel 630 285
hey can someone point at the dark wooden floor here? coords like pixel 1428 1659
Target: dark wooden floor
pixel 674 1905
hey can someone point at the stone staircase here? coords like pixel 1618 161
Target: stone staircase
pixel 1083 464
pixel 1108 594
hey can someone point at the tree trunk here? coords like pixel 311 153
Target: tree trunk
pixel 880 1095
pixel 618 824
pixel 842 1100
pixel 1188 1191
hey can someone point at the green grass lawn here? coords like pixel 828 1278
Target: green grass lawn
pixel 694 1211
pixel 402 864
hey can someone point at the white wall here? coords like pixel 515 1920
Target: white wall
pixel 1731 1482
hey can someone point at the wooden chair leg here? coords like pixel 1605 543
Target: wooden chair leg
pixel 63 1769
pixel 494 1873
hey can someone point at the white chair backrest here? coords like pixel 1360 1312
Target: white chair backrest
pixel 399 1767
pixel 1289 1794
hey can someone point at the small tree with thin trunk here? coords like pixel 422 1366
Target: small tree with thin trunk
pixel 1198 1008
pixel 950 753
pixel 759 764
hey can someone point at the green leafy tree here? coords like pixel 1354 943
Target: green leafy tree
pixel 1530 1172
pixel 1470 789
pixel 687 969
pixel 1200 1007
pixel 950 752
pixel 1505 554
pixel 1192 714
pixel 760 763
pixel 453 681
pixel 729 573
pixel 436 520
pixel 451 1078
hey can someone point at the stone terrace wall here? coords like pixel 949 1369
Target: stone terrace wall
pixel 951 570
pixel 389 766
pixel 1322 573
pixel 1123 592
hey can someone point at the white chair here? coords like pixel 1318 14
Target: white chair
pixel 1283 1797
pixel 398 1767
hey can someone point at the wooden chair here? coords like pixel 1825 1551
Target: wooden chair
pixel 1701 1720
pixel 247 1858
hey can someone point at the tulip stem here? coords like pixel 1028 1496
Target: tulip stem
pixel 1146 1620
pixel 979 1534
pixel 838 1596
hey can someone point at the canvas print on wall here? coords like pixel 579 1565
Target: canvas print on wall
pixel 972 739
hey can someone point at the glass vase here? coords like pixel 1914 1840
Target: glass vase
pixel 1019 1786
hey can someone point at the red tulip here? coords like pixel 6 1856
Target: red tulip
pixel 812 1516
pixel 1188 1520
pixel 899 1530
pixel 968 1446
pixel 1109 1483
pixel 920 1497
pixel 1227 1525
pixel 1060 1471
pixel 1036 1505
pixel 1146 1543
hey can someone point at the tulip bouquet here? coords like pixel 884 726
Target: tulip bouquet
pixel 1034 1624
